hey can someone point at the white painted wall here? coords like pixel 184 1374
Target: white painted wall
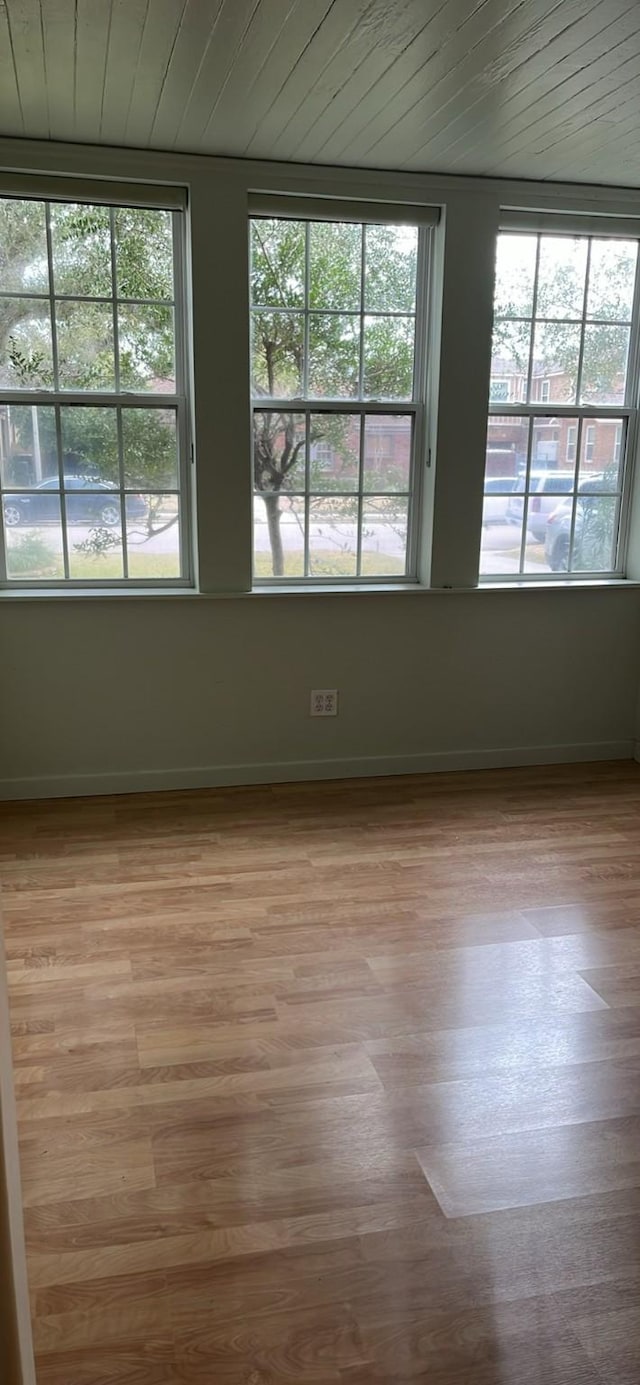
pixel 112 694
pixel 123 692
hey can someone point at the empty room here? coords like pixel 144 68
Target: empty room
pixel 320 692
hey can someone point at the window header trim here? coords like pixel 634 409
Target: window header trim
pixel 72 188
pixel 570 224
pixel 341 209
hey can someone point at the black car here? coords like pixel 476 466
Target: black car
pixel 87 501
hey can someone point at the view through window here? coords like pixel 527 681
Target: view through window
pixel 560 404
pixel 91 404
pixel 335 397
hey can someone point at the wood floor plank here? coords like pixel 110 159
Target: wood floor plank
pixel 332 1084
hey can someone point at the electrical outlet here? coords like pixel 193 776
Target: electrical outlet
pixel 324 702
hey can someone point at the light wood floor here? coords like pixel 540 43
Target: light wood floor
pixel 332 1083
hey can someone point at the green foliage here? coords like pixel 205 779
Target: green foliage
pixel 30 555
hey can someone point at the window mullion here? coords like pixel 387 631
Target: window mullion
pixel 363 425
pixel 583 324
pixel 525 499
pixel 306 556
pixel 363 271
pixel 116 359
pixel 574 497
pixel 52 301
pixel 305 346
pixel 63 498
pixel 534 308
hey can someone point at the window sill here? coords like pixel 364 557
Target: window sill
pixel 262 593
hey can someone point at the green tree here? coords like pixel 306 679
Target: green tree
pixel 321 267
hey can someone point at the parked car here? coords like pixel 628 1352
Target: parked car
pixel 544 489
pixel 87 501
pixel 593 529
pixel 496 497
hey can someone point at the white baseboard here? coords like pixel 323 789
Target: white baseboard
pixel 289 771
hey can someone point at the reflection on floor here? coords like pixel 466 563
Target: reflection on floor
pixel 332 1083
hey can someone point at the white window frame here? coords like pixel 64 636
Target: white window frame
pixel 364 213
pixel 626 415
pixel 111 194
pixel 572 442
pixel 545 391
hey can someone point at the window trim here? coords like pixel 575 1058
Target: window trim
pixel 365 213
pixel 111 194
pixel 599 227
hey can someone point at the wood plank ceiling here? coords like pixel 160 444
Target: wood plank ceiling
pixel 525 88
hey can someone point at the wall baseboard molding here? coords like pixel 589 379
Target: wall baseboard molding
pixel 291 771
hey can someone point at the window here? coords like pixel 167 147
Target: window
pixel 92 409
pixel 338 391
pixel 563 326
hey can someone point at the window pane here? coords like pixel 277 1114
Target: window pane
pixel 601 455
pixel 335 265
pixel 612 274
pixel 278 536
pixel 387 452
pixel 150 448
pixel 334 356
pixel 28 447
pixel 390 268
pixel 507 442
pixel 279 456
pixel 86 508
pixel 515 271
pixel 94 537
pixel 388 357
pixel 595 534
pixel 144 252
pixel 146 346
pixel 503 504
pixel 277 262
pixel 556 351
pixel 384 536
pixel 33 536
pixel 81 250
pixel 561 276
pixel 604 364
pixel 334 459
pixel 153 536
pixel 85 346
pixel 333 536
pixel 26 356
pixel 277 354
pixel 510 362
pixel 23 247
pixel 548 454
pixel 90 443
